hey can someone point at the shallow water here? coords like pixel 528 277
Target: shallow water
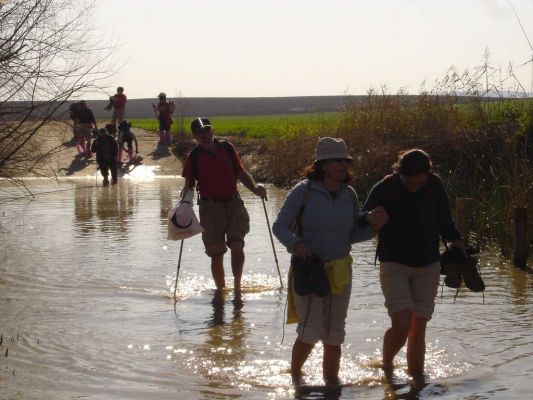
pixel 86 309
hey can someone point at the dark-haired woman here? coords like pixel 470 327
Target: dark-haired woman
pixel 408 251
pixel 328 227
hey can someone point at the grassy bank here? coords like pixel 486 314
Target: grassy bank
pixel 481 149
pixel 252 126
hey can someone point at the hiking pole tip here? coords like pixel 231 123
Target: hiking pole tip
pixel 272 242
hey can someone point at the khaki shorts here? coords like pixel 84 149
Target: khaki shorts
pixel 118 115
pixel 84 132
pixel 322 318
pixel 409 288
pixel 224 223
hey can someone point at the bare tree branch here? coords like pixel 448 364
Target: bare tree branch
pixel 49 53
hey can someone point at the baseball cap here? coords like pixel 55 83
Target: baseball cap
pixel 199 124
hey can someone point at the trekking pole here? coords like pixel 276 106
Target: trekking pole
pixel 155 111
pixel 178 270
pixel 272 242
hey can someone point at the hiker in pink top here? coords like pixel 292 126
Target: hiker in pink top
pixel 119 106
pixel 163 111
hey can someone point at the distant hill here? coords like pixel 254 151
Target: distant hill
pixel 209 106
pixel 214 106
pixel 194 106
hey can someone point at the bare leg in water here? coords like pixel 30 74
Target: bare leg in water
pixel 300 353
pixel 410 328
pixel 237 263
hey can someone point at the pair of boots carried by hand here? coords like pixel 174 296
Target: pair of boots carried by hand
pixel 458 268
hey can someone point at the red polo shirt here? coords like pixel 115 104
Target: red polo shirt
pixel 163 108
pixel 216 174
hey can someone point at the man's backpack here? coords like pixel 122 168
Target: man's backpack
pixel 73 108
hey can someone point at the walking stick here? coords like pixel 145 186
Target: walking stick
pixel 178 270
pixel 155 111
pixel 272 242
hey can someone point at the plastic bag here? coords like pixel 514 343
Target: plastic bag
pixel 182 222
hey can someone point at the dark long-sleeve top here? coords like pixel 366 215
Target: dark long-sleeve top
pixel 416 221
pixel 106 148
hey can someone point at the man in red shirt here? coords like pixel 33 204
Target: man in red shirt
pixel 216 166
pixel 119 106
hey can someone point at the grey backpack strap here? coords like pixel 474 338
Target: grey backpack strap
pixel 307 195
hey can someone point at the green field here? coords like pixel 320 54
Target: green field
pixel 256 126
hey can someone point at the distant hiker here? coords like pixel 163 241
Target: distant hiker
pixel 72 114
pixel 106 149
pixel 126 135
pixel 85 121
pixel 318 222
pixel 408 252
pixel 216 167
pixel 163 111
pixel 118 103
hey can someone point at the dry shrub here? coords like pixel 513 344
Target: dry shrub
pixel 479 146
pixel 286 158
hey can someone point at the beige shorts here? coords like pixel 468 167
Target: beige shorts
pixel 409 288
pixel 322 318
pixel 84 132
pixel 224 223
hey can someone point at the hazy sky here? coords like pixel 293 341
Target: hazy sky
pixel 314 47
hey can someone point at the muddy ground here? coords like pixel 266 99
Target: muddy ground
pixel 63 159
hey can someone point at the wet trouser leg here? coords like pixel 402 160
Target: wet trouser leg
pixel 104 169
pixel 113 168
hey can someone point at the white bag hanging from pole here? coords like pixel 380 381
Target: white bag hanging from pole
pixel 182 222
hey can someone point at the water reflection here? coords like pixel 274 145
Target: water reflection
pixel 521 290
pixel 165 199
pixel 225 339
pixel 412 390
pixel 83 209
pixel 108 208
pixel 220 345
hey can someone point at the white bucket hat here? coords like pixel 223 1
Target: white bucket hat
pixel 182 222
pixel 328 148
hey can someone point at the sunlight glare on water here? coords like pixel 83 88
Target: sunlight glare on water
pixel 87 282
pixel 141 172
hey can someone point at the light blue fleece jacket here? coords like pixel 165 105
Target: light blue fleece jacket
pixel 329 225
